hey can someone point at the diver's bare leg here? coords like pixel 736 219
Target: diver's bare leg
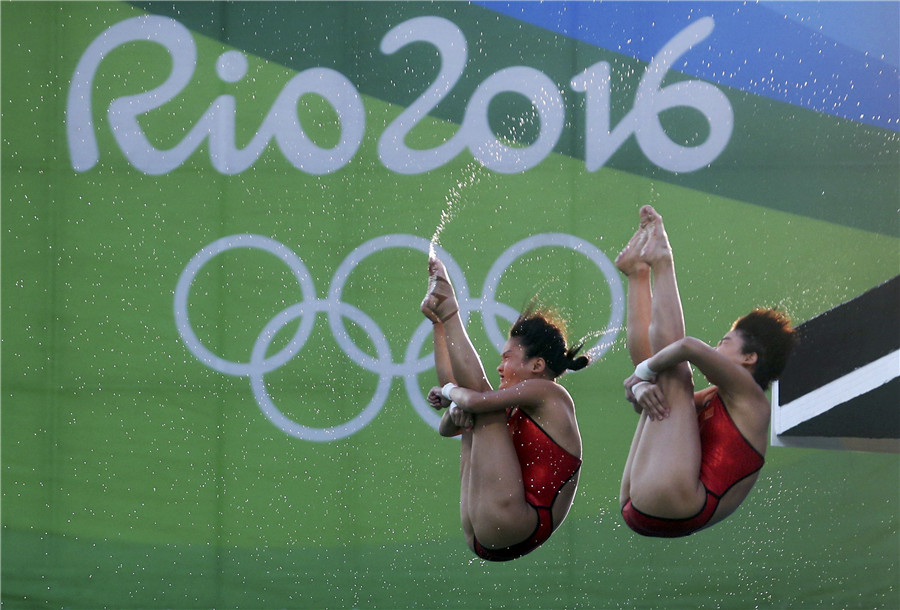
pixel 625 487
pixel 666 462
pixel 499 513
pixel 638 303
pixel 667 317
pixel 637 329
pixel 441 307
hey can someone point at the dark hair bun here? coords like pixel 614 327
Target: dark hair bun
pixel 576 364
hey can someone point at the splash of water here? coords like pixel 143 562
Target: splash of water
pixel 472 176
pixel 654 197
pixel 595 352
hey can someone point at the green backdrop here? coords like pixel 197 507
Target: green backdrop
pixel 289 461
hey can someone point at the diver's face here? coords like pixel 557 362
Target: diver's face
pixel 732 346
pixel 514 366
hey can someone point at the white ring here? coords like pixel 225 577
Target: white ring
pixel 183 288
pixel 383 364
pixel 305 432
pixel 491 308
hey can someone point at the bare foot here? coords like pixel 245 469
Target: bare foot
pixel 656 249
pixel 629 260
pixel 648 215
pixel 439 304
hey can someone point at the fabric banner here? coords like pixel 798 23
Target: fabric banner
pixel 216 223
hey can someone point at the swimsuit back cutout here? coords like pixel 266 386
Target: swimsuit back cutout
pixel 727 457
pixel 546 466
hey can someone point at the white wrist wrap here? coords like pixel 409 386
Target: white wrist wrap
pixel 642 384
pixel 445 391
pixel 643 371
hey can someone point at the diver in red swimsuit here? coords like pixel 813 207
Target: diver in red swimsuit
pixel 546 468
pixel 694 457
pixel 520 453
pixel 726 459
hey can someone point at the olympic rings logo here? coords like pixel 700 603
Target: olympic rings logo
pixel 383 364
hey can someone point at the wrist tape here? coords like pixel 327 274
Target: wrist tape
pixel 643 371
pixel 445 391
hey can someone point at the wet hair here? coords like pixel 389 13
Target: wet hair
pixel 542 334
pixel 767 333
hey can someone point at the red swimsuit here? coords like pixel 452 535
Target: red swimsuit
pixel 546 467
pixel 726 459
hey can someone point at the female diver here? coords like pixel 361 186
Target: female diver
pixel 521 448
pixel 694 456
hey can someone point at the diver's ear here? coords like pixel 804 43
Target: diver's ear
pixel 750 359
pixel 538 366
